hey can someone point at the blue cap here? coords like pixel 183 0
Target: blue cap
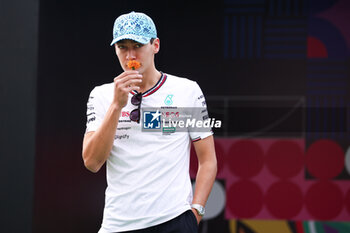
pixel 134 26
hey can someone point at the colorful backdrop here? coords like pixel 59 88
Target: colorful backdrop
pixel 276 72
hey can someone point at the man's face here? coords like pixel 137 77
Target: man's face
pixel 127 50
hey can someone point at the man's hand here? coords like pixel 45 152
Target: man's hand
pixel 123 84
pixel 198 217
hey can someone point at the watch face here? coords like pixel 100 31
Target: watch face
pixel 201 210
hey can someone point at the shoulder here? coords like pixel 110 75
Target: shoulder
pixel 181 82
pixel 102 90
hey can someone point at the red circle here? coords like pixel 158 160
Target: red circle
pixel 219 151
pixel 325 159
pixel 316 48
pixel 245 199
pixel 285 159
pixel 284 199
pixel 245 158
pixel 324 200
pixel 347 201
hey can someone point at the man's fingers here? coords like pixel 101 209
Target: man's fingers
pixel 131 88
pixel 132 82
pixel 128 85
pixel 131 73
pixel 123 81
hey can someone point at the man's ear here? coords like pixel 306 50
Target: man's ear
pixel 156 45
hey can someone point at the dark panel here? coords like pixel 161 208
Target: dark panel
pixel 18 73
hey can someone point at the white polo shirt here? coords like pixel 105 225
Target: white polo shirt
pixel 148 180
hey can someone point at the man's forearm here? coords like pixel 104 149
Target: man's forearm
pixel 207 169
pixel 97 146
pixel 204 182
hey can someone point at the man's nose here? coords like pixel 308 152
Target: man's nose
pixel 130 54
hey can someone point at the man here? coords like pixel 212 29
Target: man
pixel 149 188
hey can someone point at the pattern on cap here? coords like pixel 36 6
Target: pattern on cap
pixel 135 26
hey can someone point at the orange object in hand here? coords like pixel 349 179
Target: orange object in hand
pixel 133 64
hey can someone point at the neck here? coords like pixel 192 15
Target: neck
pixel 149 79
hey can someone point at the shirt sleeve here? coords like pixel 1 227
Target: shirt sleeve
pixel 200 113
pixel 94 112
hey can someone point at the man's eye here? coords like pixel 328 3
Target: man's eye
pixel 138 45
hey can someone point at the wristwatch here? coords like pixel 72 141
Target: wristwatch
pixel 199 208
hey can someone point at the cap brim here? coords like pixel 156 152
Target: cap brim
pixel 139 39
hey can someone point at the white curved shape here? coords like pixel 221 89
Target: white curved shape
pixel 216 201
